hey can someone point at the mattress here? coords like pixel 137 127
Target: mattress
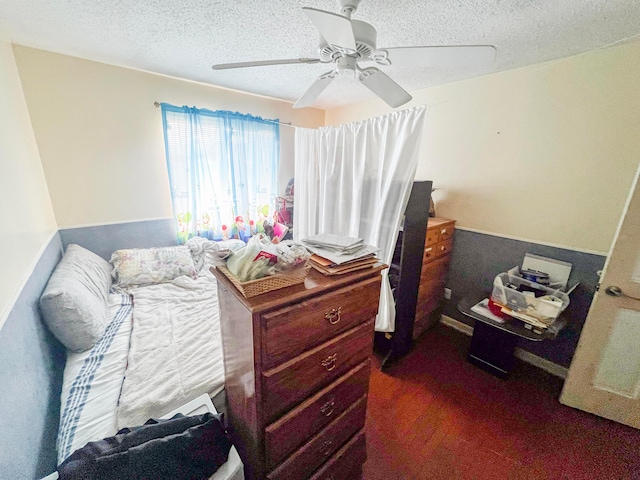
pixel 93 380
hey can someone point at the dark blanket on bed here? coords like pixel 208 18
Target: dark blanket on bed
pixel 182 447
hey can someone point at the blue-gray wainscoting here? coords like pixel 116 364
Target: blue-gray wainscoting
pixel 106 239
pixel 32 360
pixel 477 258
pixel 31 367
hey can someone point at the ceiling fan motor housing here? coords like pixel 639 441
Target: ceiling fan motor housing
pixel 365 36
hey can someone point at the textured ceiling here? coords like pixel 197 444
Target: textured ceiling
pixel 184 38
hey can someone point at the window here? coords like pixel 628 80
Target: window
pixel 223 169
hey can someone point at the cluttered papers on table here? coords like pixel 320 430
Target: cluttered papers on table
pixel 482 308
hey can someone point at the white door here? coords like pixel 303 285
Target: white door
pixel 604 377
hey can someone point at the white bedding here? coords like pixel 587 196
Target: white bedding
pixel 92 382
pixel 176 351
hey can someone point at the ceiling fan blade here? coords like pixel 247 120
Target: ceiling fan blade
pixel 315 89
pixel 444 57
pixel 380 84
pixel 262 63
pixel 334 28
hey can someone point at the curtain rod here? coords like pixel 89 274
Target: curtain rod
pixel 157 105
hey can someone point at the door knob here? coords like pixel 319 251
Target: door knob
pixel 615 291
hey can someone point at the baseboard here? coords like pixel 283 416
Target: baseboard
pixel 528 357
pixel 542 363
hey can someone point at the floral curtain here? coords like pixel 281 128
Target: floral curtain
pixel 223 170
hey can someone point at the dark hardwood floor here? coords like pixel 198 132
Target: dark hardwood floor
pixel 435 416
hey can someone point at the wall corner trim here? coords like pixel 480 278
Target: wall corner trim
pixel 4 314
pixel 528 357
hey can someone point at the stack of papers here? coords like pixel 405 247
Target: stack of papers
pixel 336 254
pixel 482 308
pixel 336 243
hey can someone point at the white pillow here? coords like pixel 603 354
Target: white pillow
pixel 74 303
pixel 147 266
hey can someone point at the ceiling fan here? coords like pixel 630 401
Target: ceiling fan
pixel 345 42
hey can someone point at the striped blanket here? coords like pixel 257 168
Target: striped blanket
pixel 92 382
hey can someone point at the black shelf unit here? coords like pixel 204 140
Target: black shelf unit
pixel 404 274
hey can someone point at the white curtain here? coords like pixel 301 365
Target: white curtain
pixel 355 179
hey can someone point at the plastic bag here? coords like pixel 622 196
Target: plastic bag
pixel 290 255
pixel 260 258
pixel 247 263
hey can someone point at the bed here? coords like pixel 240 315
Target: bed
pixel 143 339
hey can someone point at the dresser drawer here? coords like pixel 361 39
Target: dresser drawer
pixel 445 232
pixel 322 446
pixel 292 330
pixel 300 377
pixel 423 323
pixel 431 288
pixel 443 247
pixel 435 269
pixel 428 304
pixel 429 253
pixel 296 427
pixel 432 236
pixel 433 275
pixel 346 464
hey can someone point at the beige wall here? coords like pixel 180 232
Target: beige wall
pixel 27 218
pixel 545 153
pixel 100 136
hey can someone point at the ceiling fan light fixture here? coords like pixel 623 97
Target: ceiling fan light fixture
pixel 346 66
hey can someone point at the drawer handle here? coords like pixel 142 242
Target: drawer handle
pixel 443 231
pixel 427 250
pixel 329 363
pixel 327 408
pixel 325 448
pixel 333 316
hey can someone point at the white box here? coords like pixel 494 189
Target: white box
pixel 539 311
pixel 557 270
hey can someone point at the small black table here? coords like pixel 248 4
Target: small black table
pixel 493 343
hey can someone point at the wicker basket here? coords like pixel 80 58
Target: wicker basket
pixel 267 284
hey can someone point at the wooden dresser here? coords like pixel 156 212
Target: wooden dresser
pixel 435 265
pixel 297 364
